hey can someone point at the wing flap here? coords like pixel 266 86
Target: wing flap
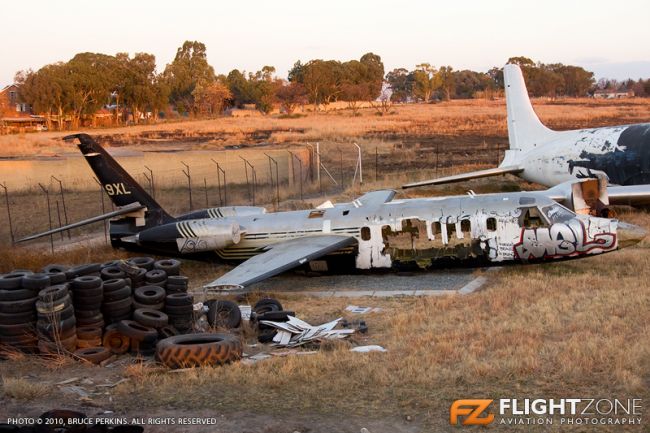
pixel 279 258
pixel 497 171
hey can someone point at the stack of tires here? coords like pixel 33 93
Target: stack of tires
pixel 56 323
pixel 56 273
pixel 18 295
pixel 83 270
pixel 172 267
pixel 179 307
pixel 117 301
pixel 87 295
pixel 176 284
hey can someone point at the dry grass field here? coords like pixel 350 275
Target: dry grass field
pixel 455 118
pixel 570 329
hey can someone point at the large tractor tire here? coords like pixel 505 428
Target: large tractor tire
pixel 194 350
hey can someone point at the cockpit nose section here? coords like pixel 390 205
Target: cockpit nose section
pixel 629 234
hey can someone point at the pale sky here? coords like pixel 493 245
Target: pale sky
pixel 609 38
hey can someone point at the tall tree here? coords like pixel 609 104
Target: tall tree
pixel 401 83
pixel 446 77
pixel 189 68
pixel 91 76
pixel 425 81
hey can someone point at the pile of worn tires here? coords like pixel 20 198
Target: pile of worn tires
pixel 95 310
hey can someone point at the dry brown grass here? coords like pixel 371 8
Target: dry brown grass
pixel 453 118
pixel 23 389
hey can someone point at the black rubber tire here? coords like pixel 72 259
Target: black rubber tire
pixel 178 299
pixel 16 294
pixel 59 315
pixel 86 282
pixel 88 303
pixel 88 293
pixel 65 345
pixel 96 322
pixel 85 314
pixel 111 273
pixel 19 329
pixel 276 316
pixel 268 301
pixel 118 305
pixel 149 295
pixel 81 270
pixel 57 278
pixel 115 341
pixel 115 284
pixel 114 320
pixel 88 332
pixel 160 306
pixel 116 295
pixel 55 269
pixel 142 262
pixel 136 331
pixel 266 335
pixel 138 276
pixel 53 293
pixel 178 310
pixel 178 280
pixel 11 281
pixel 150 317
pixel 170 266
pixel 54 307
pixel 167 331
pixel 175 289
pixel 155 276
pixel 196 350
pixel 94 354
pixel 48 327
pixel 224 314
pixel 36 281
pixel 18 306
pixel 263 309
pixel 17 318
pixel 109 264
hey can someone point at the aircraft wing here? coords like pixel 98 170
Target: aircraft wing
pixel 497 171
pixel 629 194
pixel 280 257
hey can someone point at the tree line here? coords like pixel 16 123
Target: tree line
pixel 189 85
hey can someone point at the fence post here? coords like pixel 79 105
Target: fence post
pixel 58 213
pixel 101 198
pixel 376 163
pixel 11 226
pixel 277 181
pixel 150 179
pixel 49 214
pixel 65 210
pixel 189 181
pixel 205 188
pixel 300 172
pixel 341 167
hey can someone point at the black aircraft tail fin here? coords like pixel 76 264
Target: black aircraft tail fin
pixel 118 184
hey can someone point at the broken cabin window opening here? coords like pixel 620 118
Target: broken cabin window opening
pixel 557 213
pixel 345 212
pixel 451 230
pixel 532 218
pixel 491 224
pixel 435 228
pixel 466 227
pixel 365 233
pixel 316 214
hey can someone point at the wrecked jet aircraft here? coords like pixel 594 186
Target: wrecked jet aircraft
pixel 539 154
pixel 372 232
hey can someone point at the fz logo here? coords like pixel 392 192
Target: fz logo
pixel 116 189
pixel 472 411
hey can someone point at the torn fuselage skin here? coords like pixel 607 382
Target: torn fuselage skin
pixel 521 232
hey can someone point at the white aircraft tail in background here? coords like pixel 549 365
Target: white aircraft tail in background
pixel 538 154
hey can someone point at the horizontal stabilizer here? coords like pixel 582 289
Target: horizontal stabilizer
pixel 634 195
pixel 122 211
pixel 497 171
